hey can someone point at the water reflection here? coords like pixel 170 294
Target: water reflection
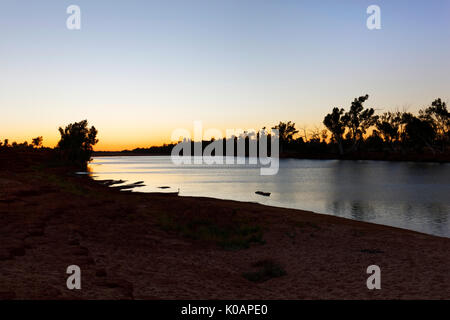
pixel 406 195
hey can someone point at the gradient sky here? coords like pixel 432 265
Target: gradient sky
pixel 139 69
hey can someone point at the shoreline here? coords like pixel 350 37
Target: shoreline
pixel 133 245
pixel 303 211
pixel 237 202
pixel 368 156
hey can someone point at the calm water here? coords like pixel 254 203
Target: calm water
pixel 414 196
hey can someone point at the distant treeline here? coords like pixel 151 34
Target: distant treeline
pixel 35 143
pixel 358 133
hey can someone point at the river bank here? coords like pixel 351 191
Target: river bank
pixel 376 156
pixel 157 246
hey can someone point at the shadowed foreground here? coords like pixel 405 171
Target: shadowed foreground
pixel 156 246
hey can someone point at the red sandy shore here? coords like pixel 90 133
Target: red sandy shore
pixel 50 219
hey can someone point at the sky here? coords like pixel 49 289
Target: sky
pixel 138 70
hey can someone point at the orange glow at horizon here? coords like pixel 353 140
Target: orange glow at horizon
pixel 112 139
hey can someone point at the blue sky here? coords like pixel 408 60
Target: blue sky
pixel 139 69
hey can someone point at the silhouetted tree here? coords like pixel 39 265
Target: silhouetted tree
pixel 324 135
pixel 37 142
pixel 358 120
pixel 388 126
pixel 286 131
pixel 315 135
pixel 77 141
pixel 418 132
pixel 334 122
pixel 374 142
pixel 439 117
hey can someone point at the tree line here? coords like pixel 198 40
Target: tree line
pixel 347 134
pixel 428 131
pixel 35 143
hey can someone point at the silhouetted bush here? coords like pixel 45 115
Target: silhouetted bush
pixel 77 141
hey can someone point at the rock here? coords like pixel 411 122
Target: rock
pixel 261 193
